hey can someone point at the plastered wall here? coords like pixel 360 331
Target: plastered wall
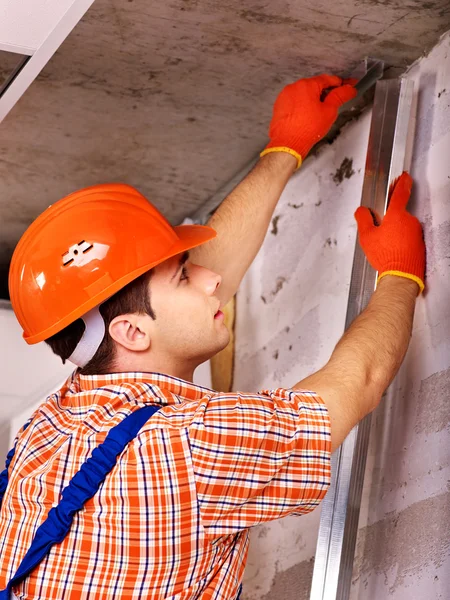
pixel 403 548
pixel 291 312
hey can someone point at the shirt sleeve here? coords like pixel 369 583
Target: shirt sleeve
pixel 259 457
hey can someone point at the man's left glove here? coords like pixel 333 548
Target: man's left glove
pixel 300 118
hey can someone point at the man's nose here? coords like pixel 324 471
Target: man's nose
pixel 207 279
pixel 214 281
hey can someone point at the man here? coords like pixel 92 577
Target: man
pixel 131 481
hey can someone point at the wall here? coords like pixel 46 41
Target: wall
pixel 403 548
pixel 291 312
pixel 28 374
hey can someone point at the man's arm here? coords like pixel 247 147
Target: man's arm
pixel 367 357
pixel 371 351
pixel 242 220
pixel 300 119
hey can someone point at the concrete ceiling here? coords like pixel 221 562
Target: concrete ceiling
pixel 175 97
pixel 8 62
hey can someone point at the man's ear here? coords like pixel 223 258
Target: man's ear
pixel 131 331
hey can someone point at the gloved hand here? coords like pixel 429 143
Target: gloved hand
pixel 300 118
pixel 394 245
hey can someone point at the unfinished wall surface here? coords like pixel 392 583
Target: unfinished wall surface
pixel 291 312
pixel 403 549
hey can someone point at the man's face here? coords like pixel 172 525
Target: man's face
pixel 188 326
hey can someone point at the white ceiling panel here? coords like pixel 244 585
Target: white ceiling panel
pixel 25 24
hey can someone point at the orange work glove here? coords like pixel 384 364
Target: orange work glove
pixel 300 118
pixel 394 245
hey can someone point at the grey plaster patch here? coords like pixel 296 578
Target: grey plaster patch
pixel 433 407
pixel 438 244
pixel 281 261
pixel 406 544
pixel 292 584
pixel 438 264
pixel 433 117
pixel 297 345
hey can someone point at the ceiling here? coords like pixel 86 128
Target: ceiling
pixel 8 62
pixel 175 97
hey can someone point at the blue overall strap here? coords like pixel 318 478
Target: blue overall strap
pixel 80 489
pixel 4 473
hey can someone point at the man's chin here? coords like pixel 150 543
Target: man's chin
pixel 221 345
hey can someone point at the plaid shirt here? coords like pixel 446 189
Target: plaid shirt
pixel 171 519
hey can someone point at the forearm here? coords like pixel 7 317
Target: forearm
pixel 380 336
pixel 242 220
pixel 367 357
pixel 300 119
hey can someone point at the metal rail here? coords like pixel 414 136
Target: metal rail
pixel 386 154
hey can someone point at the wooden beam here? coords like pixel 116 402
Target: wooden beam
pixel 222 364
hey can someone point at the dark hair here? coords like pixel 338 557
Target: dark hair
pixel 133 298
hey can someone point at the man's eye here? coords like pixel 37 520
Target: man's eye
pixel 184 274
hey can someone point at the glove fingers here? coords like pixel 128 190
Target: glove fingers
pixel 340 96
pixel 400 192
pixel 350 81
pixel 364 220
pixel 325 81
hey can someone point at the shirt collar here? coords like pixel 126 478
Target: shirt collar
pixel 179 387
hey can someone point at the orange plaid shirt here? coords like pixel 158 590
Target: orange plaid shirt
pixel 171 520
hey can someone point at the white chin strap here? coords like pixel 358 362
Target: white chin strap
pixel 91 339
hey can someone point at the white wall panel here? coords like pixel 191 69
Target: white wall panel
pixel 28 374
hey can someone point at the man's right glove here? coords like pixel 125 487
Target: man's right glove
pixel 394 245
pixel 301 118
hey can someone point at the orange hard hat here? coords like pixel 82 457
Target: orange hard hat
pixel 85 248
